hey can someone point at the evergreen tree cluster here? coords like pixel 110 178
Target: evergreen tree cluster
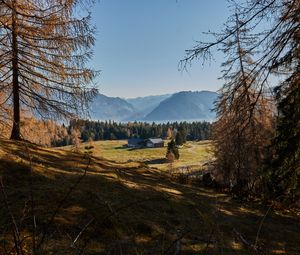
pixel 172 151
pixel 180 137
pixel 283 168
pixel 110 130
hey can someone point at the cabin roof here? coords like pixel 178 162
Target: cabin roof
pixel 135 140
pixel 155 140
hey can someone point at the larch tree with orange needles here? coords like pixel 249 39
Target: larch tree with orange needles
pixel 44 48
pixel 244 124
pixel 275 25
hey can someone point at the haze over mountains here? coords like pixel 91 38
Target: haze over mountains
pixel 110 108
pixel 181 106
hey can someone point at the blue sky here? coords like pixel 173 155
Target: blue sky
pixel 140 42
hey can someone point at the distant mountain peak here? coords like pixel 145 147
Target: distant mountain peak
pixel 110 108
pixel 183 105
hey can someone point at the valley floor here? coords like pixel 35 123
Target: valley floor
pixel 106 205
pixel 192 154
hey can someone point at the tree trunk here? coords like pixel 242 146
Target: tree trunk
pixel 15 133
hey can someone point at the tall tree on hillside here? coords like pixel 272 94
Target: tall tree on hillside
pixel 172 149
pixel 179 138
pixel 183 132
pixel 5 112
pixel 44 46
pixel 244 120
pixel 275 24
pixel 284 169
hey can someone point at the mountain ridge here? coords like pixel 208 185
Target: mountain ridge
pixel 183 105
pixel 110 108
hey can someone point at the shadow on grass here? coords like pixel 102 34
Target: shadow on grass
pixel 156 161
pixel 121 148
pixel 131 210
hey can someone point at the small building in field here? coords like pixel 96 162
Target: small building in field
pixel 154 143
pixel 135 143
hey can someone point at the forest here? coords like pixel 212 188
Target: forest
pixel 53 134
pixel 110 130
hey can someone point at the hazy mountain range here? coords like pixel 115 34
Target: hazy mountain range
pixel 184 105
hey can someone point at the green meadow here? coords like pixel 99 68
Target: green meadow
pixel 192 154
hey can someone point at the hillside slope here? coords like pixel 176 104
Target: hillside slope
pixel 145 105
pixel 110 108
pixel 185 105
pixel 124 209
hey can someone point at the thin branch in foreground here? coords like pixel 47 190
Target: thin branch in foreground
pixel 61 203
pixel 16 233
pixel 253 247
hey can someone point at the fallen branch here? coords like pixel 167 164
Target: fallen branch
pixel 176 243
pixel 255 248
pixel 261 224
pixel 82 230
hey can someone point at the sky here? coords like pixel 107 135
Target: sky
pixel 139 44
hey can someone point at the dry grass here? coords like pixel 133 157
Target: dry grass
pixel 134 209
pixel 192 154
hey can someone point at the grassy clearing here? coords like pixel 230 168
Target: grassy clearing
pixel 133 209
pixel 192 154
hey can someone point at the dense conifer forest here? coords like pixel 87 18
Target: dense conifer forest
pixel 87 130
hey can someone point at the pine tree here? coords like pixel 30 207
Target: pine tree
pixel 183 132
pixel 179 139
pixel 284 172
pixel 172 149
pixel 284 168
